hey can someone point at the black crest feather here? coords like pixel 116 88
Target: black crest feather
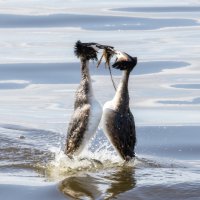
pixel 85 51
pixel 125 65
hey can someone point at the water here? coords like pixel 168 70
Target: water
pixel 39 75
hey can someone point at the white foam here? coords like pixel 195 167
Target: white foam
pixel 88 161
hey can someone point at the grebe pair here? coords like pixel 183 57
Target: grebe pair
pixel 118 121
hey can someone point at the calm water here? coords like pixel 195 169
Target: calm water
pixel 39 75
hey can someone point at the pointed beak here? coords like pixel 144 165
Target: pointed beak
pixel 100 46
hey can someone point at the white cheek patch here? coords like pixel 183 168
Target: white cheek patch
pixel 122 56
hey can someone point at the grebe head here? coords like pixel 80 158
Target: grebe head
pixel 86 51
pixel 124 61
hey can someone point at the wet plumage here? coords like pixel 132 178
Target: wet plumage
pixel 118 121
pixel 87 111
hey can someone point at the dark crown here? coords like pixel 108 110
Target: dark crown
pixel 126 65
pixel 85 51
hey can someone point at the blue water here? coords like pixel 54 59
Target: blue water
pixel 40 74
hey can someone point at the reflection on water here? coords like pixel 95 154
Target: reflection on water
pixel 121 181
pixel 149 182
pixel 80 187
pixel 105 186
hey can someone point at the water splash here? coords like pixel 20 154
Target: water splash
pixel 93 158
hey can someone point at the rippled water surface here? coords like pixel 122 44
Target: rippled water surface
pixel 39 75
